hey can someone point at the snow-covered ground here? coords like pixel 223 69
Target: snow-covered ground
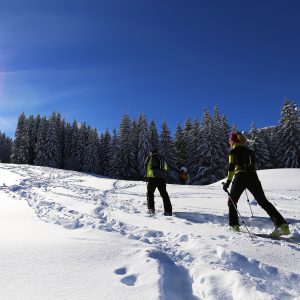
pixel 69 235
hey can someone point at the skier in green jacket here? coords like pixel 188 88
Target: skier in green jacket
pixel 156 173
pixel 242 171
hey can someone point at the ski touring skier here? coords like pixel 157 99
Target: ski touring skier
pixel 156 175
pixel 242 174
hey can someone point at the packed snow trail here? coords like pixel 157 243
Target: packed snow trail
pixel 208 260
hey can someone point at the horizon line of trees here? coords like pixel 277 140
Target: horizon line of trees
pixel 201 146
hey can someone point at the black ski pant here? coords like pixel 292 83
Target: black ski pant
pixel 250 181
pixel 159 183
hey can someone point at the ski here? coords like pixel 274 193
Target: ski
pixel 289 239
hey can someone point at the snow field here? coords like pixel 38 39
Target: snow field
pixel 191 255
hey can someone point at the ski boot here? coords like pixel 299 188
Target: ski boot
pixel 151 212
pixel 282 229
pixel 167 213
pixel 235 228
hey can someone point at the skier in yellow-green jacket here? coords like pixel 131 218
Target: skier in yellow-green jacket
pixel 156 173
pixel 243 176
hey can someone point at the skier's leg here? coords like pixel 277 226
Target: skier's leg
pixel 150 193
pixel 237 188
pixel 255 187
pixel 162 187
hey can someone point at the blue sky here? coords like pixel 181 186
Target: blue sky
pixel 95 60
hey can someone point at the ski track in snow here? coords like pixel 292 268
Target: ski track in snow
pixel 120 205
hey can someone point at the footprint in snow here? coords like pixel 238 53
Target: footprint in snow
pixel 121 271
pixel 129 280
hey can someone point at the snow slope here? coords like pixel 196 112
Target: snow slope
pixel 69 235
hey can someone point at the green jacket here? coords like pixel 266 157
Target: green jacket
pixel 241 159
pixel 155 173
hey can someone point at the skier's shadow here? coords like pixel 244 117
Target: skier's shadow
pixel 198 218
pixel 255 221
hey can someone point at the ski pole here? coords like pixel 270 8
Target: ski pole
pixel 238 212
pixel 249 202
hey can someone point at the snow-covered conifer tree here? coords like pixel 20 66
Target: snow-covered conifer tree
pixel 104 155
pixel 81 145
pixel 134 137
pixel 144 145
pixel 75 158
pixel 180 147
pixel 188 141
pixel 67 150
pixel 41 147
pixel 90 155
pixel 60 128
pixel 32 136
pixel 5 148
pixel 154 137
pixel 194 138
pixel 20 150
pixel 53 149
pixel 222 129
pixel 167 149
pixel 288 151
pixel 114 166
pixel 209 167
pixel 259 145
pixel 126 153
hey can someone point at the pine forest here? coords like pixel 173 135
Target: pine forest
pixel 199 145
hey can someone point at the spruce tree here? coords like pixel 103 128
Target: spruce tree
pixel 104 156
pixel 188 141
pixel 221 129
pixel 114 168
pixel 134 138
pixel 67 150
pixel 81 146
pixel 193 153
pixel 144 145
pixel 126 153
pixel 41 146
pixel 209 168
pixel 154 137
pixel 167 150
pixel 32 136
pixel 288 153
pixel 5 148
pixel 53 147
pixel 180 147
pixel 260 147
pixel 20 150
pixel 90 155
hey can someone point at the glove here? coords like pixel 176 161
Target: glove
pixel 226 185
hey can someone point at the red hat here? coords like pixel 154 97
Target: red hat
pixel 237 137
pixel 234 137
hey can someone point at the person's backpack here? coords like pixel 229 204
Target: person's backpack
pixel 183 176
pixel 157 162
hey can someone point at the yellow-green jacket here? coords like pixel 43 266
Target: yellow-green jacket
pixel 241 159
pixel 154 172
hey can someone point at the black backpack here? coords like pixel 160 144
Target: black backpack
pixel 157 162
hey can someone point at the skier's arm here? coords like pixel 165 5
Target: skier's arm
pixel 231 168
pixel 146 165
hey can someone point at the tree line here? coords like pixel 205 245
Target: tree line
pixel 201 146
